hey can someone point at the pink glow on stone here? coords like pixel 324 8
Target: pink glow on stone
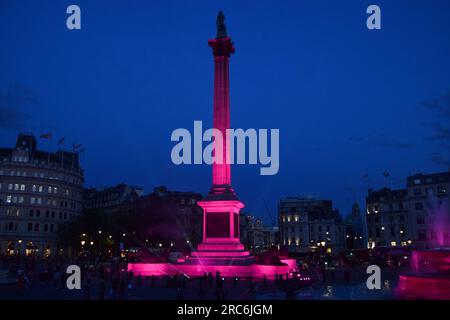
pixel 163 269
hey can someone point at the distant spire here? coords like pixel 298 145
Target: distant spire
pixel 221 28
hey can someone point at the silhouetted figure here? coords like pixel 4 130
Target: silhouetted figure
pixel 210 279
pixel 218 280
pixel 201 290
pixel 122 288
pixel 139 280
pixel 114 287
pixel 102 291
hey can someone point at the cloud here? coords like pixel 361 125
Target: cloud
pixel 381 141
pixel 440 134
pixel 440 105
pixel 440 160
pixel 14 100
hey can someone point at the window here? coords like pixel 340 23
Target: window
pixel 420 220
pixel 49 189
pixel 10 186
pixel 47 214
pixel 34 188
pixel 441 189
pixel 41 188
pixel 32 200
pixel 65 215
pixel 8 199
pixel 390 206
pixel 51 228
pixel 38 213
pixel 22 187
pixel 416 181
pixel 60 215
pixel 422 235
pixel 31 213
pixel 417 192
pixel 36 227
pixel 400 205
pixel 16 187
pixel 401 218
pixel 418 205
pixel 30 226
pixel 45 227
pixel 53 214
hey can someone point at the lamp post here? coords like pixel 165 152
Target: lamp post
pixel 20 246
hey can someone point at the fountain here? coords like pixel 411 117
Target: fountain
pixel 430 269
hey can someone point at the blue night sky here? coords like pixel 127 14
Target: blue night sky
pixel 347 101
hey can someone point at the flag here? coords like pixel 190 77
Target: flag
pixel 60 141
pixel 76 146
pixel 386 174
pixel 46 136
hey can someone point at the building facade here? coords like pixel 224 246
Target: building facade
pixel 252 232
pixel 387 218
pixel 39 193
pixel 110 199
pixel 428 195
pixel 307 224
pixel 405 217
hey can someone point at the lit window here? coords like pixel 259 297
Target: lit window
pixel 8 198
pixel 34 188
pixel 22 187
pixel 10 186
pixel 16 187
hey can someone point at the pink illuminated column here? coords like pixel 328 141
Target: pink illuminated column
pixel 221 206
pixel 222 49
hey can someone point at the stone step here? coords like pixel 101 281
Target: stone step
pixel 227 254
pixel 220 247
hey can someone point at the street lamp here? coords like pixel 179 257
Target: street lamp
pixel 83 242
pixel 99 231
